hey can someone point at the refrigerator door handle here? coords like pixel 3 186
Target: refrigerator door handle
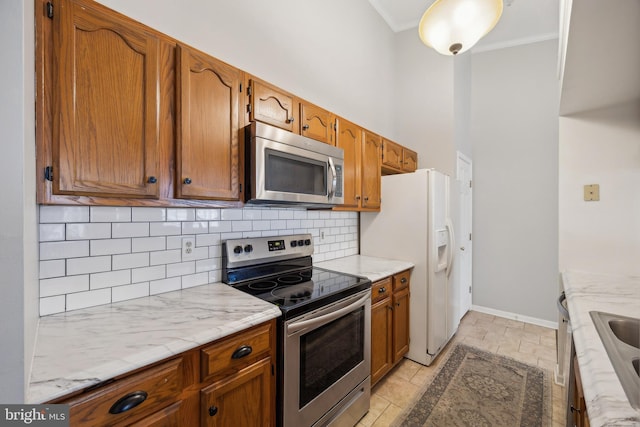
pixel 452 241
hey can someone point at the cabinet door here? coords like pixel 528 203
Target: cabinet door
pixel 105 118
pixel 409 160
pixel 207 137
pixel 168 417
pixel 316 123
pixel 371 163
pixel 400 324
pixel 391 154
pixel 349 138
pixel 268 104
pixel 381 356
pixel 242 399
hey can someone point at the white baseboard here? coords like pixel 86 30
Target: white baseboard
pixel 515 316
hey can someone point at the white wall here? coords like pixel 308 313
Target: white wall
pixel 335 53
pixel 18 247
pixel 514 127
pixel 601 147
pixel 423 103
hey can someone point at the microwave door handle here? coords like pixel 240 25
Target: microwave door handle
pixel 334 180
pixel 310 323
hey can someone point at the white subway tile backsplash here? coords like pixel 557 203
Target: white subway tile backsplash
pixel 130 229
pixel 207 214
pixel 86 265
pixel 53 268
pixel 52 305
pixel 88 299
pixel 181 268
pixel 146 244
pixel 181 214
pixel 165 285
pixel 109 279
pixel 52 232
pixel 63 214
pixel 231 214
pixel 88 231
pixel 196 227
pixel 61 250
pixel 110 214
pixel 165 257
pixel 195 280
pixel 148 273
pixel 109 247
pixel 219 226
pixel 148 214
pixel 127 292
pixel 165 228
pixel 120 262
pixel 64 285
pixel 117 253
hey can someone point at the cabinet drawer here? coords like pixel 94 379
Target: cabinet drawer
pixel 380 290
pixel 401 280
pixel 161 384
pixel 236 351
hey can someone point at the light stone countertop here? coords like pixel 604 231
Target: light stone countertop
pixel 607 403
pixel 81 348
pixel 370 267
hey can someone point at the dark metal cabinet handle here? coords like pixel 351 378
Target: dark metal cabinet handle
pixel 290 119
pixel 127 402
pixel 213 410
pixel 187 181
pixel 403 280
pixel 305 127
pixel 241 352
pixel 152 180
pixel 381 290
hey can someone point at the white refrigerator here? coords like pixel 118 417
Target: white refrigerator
pixel 414 225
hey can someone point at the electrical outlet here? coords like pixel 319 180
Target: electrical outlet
pixel 188 247
pixel 323 235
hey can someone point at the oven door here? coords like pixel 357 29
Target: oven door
pixel 326 357
pixel 287 174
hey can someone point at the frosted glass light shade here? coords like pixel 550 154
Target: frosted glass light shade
pixel 454 26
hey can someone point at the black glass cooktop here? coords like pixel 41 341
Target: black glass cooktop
pixel 304 290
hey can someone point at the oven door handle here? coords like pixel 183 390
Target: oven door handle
pixel 310 323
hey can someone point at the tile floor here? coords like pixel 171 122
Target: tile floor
pixel 528 343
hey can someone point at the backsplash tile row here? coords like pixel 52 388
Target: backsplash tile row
pixel 98 255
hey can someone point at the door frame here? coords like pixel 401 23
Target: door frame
pixel 465 212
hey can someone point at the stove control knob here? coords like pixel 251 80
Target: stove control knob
pixel 294 243
pixel 307 242
pixel 248 248
pixel 300 242
pixel 237 250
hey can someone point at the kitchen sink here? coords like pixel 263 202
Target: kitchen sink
pixel 621 338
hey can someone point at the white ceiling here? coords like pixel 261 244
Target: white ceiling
pixel 522 21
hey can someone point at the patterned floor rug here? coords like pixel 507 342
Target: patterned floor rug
pixel 481 389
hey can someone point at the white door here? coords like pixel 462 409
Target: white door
pixel 465 248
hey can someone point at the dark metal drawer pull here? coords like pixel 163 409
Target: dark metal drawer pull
pixel 213 410
pixel 241 352
pixel 403 280
pixel 127 402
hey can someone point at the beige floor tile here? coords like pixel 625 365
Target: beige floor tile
pixel 387 416
pixel 406 369
pixel 397 391
pixel 377 406
pixel 522 335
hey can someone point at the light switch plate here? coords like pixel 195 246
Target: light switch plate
pixel 592 193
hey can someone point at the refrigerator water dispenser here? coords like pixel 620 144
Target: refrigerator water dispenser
pixel 442 240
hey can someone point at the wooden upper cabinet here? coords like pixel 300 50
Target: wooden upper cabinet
pixel 349 138
pixel 105 104
pixel 391 154
pixel 409 160
pixel 273 106
pixel 316 123
pixel 208 125
pixel 371 164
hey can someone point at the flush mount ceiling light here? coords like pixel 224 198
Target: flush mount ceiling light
pixel 454 26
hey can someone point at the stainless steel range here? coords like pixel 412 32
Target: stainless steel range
pixel 323 334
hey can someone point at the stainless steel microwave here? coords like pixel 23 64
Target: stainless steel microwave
pixel 285 168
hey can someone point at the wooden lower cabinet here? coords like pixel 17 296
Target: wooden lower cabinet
pixel 578 406
pixel 228 382
pixel 389 323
